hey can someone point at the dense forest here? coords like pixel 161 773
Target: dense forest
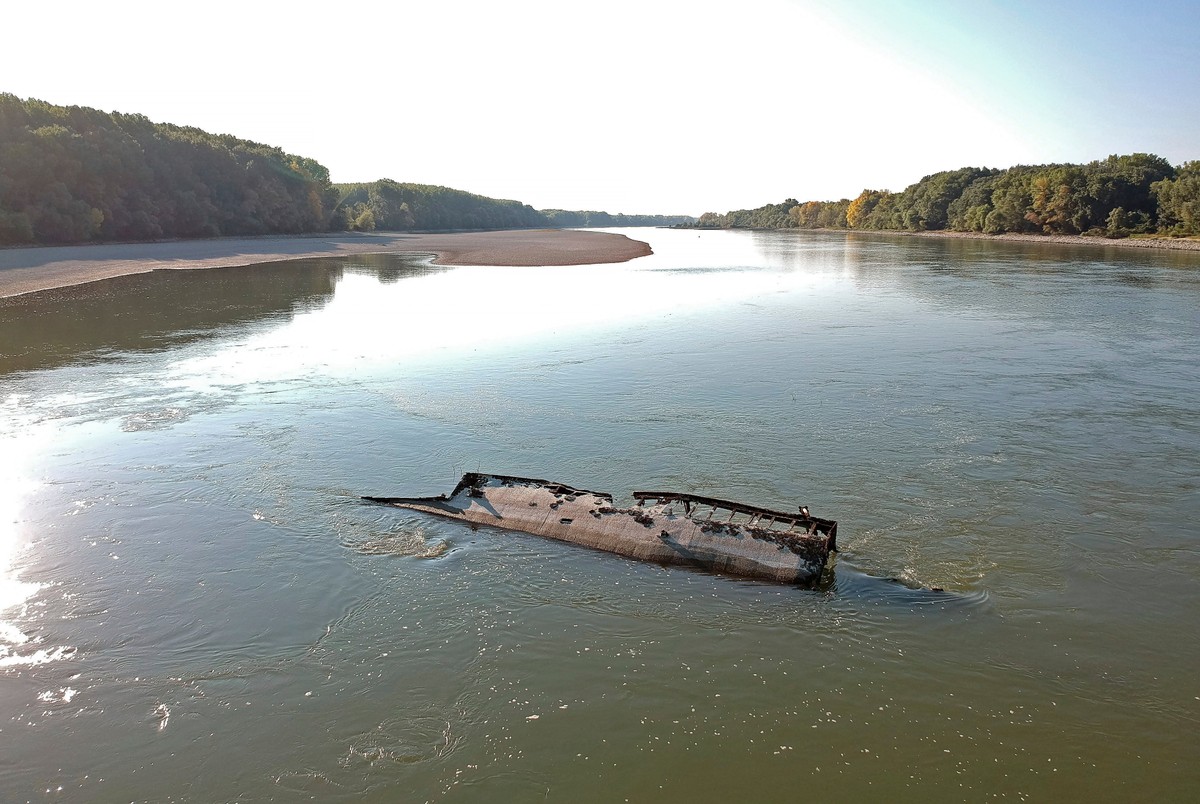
pixel 1114 197
pixel 390 205
pixel 73 175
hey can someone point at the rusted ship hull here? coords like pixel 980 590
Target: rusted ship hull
pixel 664 527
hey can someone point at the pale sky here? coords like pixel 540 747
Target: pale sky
pixel 637 106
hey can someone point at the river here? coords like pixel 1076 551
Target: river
pixel 195 605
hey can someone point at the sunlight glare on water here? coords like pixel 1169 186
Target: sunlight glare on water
pixel 15 486
pixel 472 310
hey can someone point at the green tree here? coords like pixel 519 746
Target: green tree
pixel 833 214
pixel 968 212
pixel 1178 201
pixel 70 174
pixel 925 205
pixel 364 218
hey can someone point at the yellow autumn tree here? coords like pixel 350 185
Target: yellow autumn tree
pixel 860 208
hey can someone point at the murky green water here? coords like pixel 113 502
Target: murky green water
pixel 195 606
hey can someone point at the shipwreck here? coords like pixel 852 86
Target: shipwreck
pixel 665 527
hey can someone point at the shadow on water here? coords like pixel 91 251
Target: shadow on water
pixel 846 581
pixel 163 310
pixel 154 311
pixel 391 268
pixel 874 257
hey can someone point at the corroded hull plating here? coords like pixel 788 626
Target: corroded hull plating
pixel 664 527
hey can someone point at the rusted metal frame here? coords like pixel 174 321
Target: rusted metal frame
pixel 716 504
pixel 471 479
pixel 810 525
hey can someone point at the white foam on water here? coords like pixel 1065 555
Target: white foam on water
pixel 43 656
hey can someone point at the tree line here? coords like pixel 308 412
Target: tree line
pixel 564 218
pixel 70 174
pixel 392 206
pixel 1114 197
pixel 395 206
pixel 73 174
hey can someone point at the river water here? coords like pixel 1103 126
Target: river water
pixel 195 606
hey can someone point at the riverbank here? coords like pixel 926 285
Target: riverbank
pixel 29 270
pixel 1161 243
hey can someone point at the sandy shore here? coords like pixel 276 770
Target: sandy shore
pixel 29 270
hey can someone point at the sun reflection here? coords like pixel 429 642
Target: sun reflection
pixel 15 485
pixel 470 310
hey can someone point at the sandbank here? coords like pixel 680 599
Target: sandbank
pixel 29 270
